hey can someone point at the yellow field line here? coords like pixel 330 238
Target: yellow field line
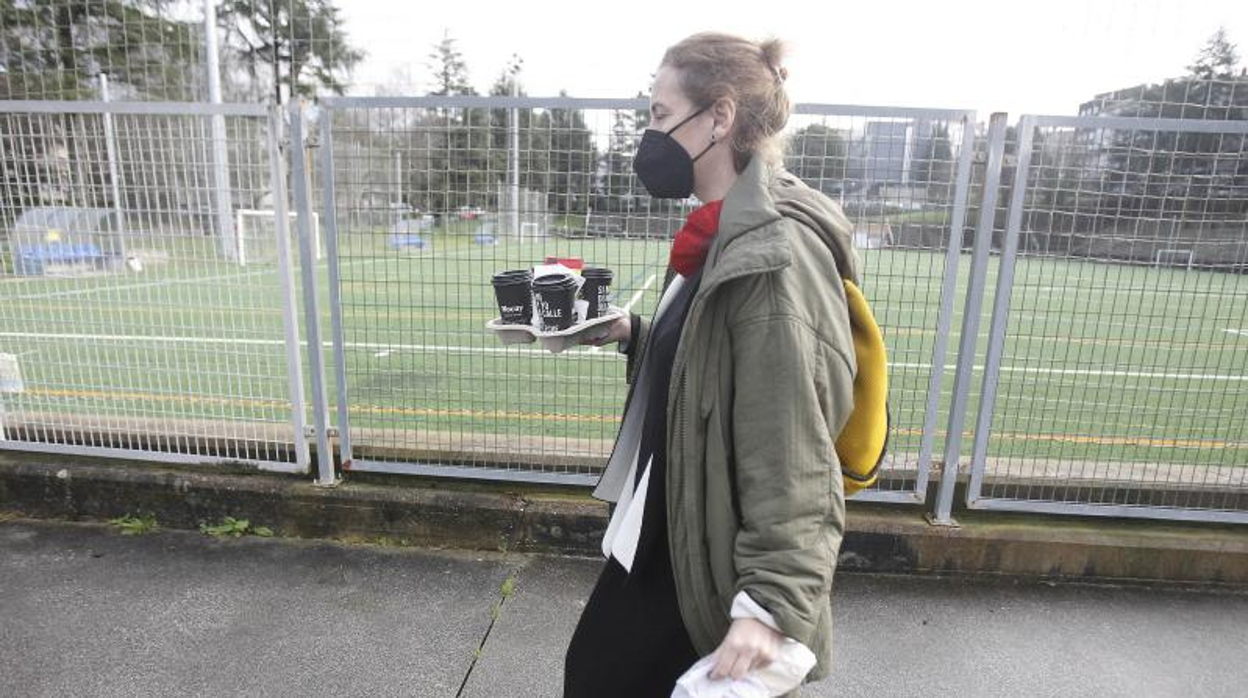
pixel 606 419
pixel 496 414
pixel 358 409
pixel 1100 440
pixel 156 397
pixel 168 308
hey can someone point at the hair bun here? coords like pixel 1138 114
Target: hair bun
pixel 773 51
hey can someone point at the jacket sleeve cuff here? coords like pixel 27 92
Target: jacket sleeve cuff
pixel 636 347
pixel 744 606
pixel 626 347
pixel 787 621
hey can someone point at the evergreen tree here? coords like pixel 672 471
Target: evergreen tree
pixel 298 43
pixel 1217 59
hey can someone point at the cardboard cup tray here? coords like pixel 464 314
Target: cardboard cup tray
pixel 554 342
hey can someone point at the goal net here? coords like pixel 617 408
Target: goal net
pixel 1173 258
pixel 256 234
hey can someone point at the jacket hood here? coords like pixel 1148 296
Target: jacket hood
pixel 763 194
pixel 820 214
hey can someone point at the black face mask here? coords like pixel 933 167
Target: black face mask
pixel 663 165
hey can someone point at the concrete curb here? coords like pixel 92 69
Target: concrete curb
pixel 505 517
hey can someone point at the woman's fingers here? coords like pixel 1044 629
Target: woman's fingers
pixel 723 663
pixel 615 332
pixel 741 667
pixel 765 655
pixel 599 339
pixel 734 662
pixel 749 645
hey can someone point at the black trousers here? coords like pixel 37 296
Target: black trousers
pixel 630 641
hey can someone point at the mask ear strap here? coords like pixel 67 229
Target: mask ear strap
pixel 685 121
pixel 712 145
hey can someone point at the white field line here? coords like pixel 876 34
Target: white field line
pixel 637 296
pixel 157 284
pixel 586 352
pixel 134 287
pixel 1093 290
pixel 1022 289
pixel 1240 333
pixel 1117 374
pixel 380 349
pixel 270 271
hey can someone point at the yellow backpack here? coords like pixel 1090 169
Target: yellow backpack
pixel 863 441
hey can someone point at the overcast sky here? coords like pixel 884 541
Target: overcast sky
pixel 1044 56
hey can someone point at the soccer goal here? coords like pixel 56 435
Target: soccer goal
pixel 255 231
pixel 1173 258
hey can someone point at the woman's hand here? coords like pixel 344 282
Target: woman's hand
pixel 618 331
pixel 749 645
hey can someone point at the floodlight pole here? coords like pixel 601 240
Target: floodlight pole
pixel 220 156
pixel 110 149
pixel 515 152
pixel 397 209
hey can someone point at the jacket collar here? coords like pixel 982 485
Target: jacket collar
pixel 743 225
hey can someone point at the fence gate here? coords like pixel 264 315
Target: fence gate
pixel 129 324
pixel 422 199
pixel 1114 377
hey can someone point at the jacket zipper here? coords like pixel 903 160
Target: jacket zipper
pixel 674 400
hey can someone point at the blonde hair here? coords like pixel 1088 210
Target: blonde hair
pixel 717 66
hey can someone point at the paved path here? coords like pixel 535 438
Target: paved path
pixel 85 611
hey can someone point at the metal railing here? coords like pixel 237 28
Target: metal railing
pixel 428 391
pixel 128 326
pixel 1113 380
pixel 148 271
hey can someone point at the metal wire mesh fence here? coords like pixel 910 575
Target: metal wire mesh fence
pixel 147 310
pixel 432 196
pixel 903 176
pixel 1115 368
pixel 185 50
pixel 127 324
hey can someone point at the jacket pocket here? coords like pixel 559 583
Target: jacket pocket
pixel 721 516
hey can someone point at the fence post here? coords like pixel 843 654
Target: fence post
pixel 1001 309
pixel 945 318
pixel 312 315
pixel 942 515
pixel 330 221
pixel 285 266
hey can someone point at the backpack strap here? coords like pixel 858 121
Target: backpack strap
pixel 863 440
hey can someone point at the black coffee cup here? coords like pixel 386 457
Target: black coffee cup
pixel 515 302
pixel 596 291
pixel 554 297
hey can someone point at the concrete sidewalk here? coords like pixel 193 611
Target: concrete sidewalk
pixel 88 612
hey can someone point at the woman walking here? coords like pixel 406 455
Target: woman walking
pixel 729 506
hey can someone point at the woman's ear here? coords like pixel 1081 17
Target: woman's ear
pixel 724 112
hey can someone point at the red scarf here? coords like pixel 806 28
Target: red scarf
pixel 693 240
